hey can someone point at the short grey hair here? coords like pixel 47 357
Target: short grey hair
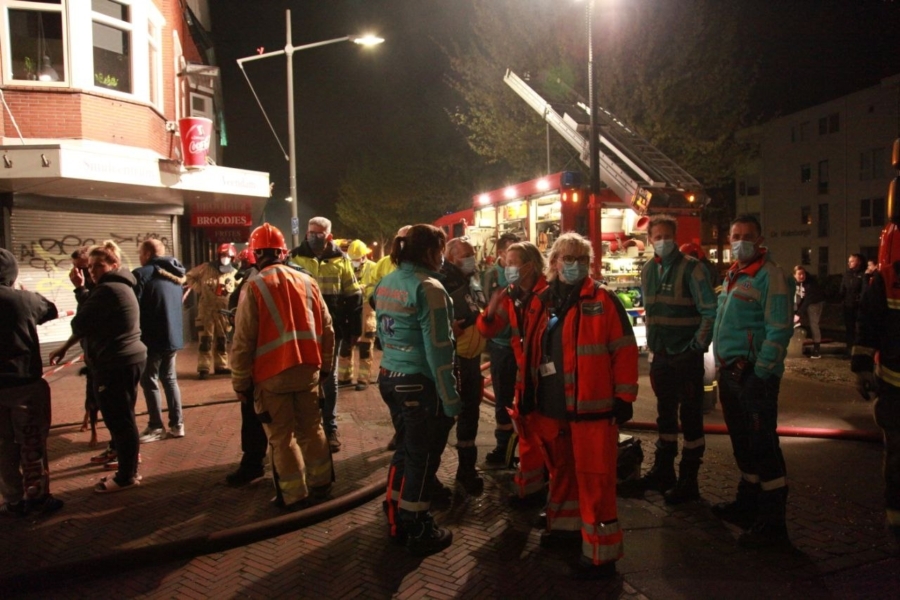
pixel 667 220
pixel 321 222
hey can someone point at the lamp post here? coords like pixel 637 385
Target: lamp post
pixel 594 141
pixel 289 49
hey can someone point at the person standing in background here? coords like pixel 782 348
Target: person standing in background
pixel 852 284
pixel 808 304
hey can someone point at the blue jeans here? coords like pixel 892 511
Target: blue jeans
pixel 161 368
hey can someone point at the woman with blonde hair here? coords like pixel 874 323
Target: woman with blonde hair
pixel 108 320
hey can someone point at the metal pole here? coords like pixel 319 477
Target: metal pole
pixel 594 146
pixel 292 142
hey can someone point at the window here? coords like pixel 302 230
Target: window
pixel 823 126
pixel 154 43
pixel 805 173
pixel 805 256
pixel 804 131
pixel 872 164
pixel 823 220
pixel 823 176
pixel 36 42
pixel 111 30
pixel 834 123
pixel 871 212
pixel 805 215
pixel 823 262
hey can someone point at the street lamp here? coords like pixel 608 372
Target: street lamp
pixel 289 49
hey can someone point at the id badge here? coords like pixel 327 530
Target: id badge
pixel 546 369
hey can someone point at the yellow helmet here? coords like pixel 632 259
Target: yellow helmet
pixel 357 249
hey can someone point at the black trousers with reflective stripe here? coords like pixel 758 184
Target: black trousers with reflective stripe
pixel 677 382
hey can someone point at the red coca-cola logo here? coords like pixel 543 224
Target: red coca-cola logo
pixel 198 139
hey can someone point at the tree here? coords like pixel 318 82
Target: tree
pixel 673 71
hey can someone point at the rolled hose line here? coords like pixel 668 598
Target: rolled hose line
pixel 854 435
pixel 217 541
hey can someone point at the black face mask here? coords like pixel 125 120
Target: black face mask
pixel 317 243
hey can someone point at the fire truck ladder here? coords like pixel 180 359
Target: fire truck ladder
pixel 629 165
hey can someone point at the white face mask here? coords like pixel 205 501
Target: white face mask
pixel 663 248
pixel 356 263
pixel 225 261
pixel 467 265
pixel 743 251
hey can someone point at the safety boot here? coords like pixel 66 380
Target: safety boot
pixel 466 476
pixel 769 530
pixel 661 475
pixel 742 511
pixel 687 488
pixel 424 537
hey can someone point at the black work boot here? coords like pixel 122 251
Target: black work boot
pixel 466 475
pixel 500 454
pixel 424 537
pixel 745 507
pixel 661 475
pixel 770 528
pixel 686 490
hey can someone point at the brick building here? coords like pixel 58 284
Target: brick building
pixel 91 95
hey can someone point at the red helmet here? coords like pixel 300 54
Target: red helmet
pixel 247 257
pixel 267 236
pixel 693 250
pixel 228 249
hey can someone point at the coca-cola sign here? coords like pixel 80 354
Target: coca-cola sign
pixel 195 135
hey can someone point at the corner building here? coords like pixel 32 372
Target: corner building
pixel 93 93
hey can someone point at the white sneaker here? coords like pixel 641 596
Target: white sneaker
pixel 176 432
pixel 152 435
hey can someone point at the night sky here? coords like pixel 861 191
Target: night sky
pixel 808 52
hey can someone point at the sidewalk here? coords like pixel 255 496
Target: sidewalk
pixel 835 517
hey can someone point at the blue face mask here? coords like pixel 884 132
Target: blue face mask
pixel 742 251
pixel 573 273
pixel 663 248
pixel 512 275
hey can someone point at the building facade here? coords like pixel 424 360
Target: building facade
pixel 92 93
pixel 818 178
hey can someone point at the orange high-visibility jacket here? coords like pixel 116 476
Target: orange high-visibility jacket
pixel 289 330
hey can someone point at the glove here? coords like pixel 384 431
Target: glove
pixel 622 411
pixel 866 385
pixel 452 409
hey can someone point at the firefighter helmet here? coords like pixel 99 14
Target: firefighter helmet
pixel 693 249
pixel 227 250
pixel 357 249
pixel 267 236
pixel 247 257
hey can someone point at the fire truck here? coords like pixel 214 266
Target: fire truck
pixel 639 181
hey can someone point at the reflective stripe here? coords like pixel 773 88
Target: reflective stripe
pixel 385 305
pixel 414 506
pixel 698 443
pixel 893 303
pixel 674 301
pixel 603 552
pixel 563 523
pixel 595 405
pixel 891 377
pixel 465 444
pixel 602 543
pixel 773 484
pixel 602 528
pixel 288 336
pixel 668 437
pixel 622 342
pixel 274 313
pixel 589 349
pixel 568 378
pixel 750 477
pixel 559 506
pixel 626 388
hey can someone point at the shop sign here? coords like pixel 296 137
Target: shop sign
pixel 231 235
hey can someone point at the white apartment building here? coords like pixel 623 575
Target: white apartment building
pixel 819 178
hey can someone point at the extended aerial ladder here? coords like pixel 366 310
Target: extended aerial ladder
pixel 632 168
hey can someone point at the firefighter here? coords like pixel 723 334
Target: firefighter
pixel 754 324
pixel 416 381
pixel 878 335
pixel 213 283
pixel 283 343
pixel 585 382
pixel 680 309
pixel 364 270
pixel 461 283
pixel 332 270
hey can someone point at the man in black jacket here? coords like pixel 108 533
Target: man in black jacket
pixel 853 284
pixel 159 289
pixel 24 398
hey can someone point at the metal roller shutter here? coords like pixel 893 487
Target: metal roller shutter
pixel 43 242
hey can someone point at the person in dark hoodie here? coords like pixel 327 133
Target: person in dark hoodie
pixel 24 398
pixel 159 287
pixel 108 320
